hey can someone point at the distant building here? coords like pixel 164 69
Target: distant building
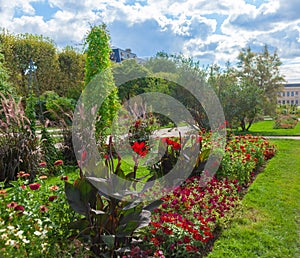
pixel 118 55
pixel 290 95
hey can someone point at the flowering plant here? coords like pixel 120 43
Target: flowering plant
pixel 187 218
pixel 34 218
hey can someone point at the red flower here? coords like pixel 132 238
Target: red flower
pixel 19 208
pixel 65 178
pixel 186 240
pixel 34 186
pixel 137 123
pixel 43 164
pixel 248 156
pixel 140 148
pixel 52 198
pixel 12 205
pixel 58 162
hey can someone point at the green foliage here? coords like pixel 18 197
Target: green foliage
pixel 59 71
pixel 250 89
pixel 48 151
pixel 31 113
pixel 5 86
pixel 18 50
pixel 109 221
pixel 55 108
pixel 97 61
pixel 71 66
pixel 125 74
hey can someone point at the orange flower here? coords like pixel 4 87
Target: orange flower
pixel 3 192
pixel 43 177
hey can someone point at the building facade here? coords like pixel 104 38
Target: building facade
pixel 118 55
pixel 290 95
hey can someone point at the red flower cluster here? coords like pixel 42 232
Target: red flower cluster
pixel 189 215
pixel 175 145
pixel 140 148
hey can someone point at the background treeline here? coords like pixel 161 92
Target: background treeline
pixel 246 90
pixel 61 71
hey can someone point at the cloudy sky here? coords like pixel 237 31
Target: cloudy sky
pixel 209 31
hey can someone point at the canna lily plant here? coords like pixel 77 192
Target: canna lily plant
pixel 109 221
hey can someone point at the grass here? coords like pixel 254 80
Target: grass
pixel 269 222
pixel 266 128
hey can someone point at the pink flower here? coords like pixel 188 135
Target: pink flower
pixel 43 164
pixel 34 186
pixel 12 205
pixel 43 208
pixel 58 162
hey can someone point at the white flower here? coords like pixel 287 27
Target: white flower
pixel 19 233
pixel 4 236
pixel 26 241
pixel 10 242
pixel 11 227
pixel 37 233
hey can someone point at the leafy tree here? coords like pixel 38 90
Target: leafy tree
pixel 261 70
pixel 250 88
pixel 5 87
pixel 18 50
pixel 126 74
pixel 98 60
pixel 71 66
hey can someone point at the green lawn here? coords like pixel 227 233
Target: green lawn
pixel 269 222
pixel 266 128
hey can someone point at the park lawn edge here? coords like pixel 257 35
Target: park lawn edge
pixel 268 224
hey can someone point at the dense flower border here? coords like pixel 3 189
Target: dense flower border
pixel 34 217
pixel 186 221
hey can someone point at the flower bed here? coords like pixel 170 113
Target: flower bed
pixel 35 217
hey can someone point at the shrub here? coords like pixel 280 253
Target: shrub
pixel 18 145
pixel 285 122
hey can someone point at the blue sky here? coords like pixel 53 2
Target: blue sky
pixel 209 31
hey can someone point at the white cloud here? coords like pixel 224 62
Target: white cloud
pixel 193 27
